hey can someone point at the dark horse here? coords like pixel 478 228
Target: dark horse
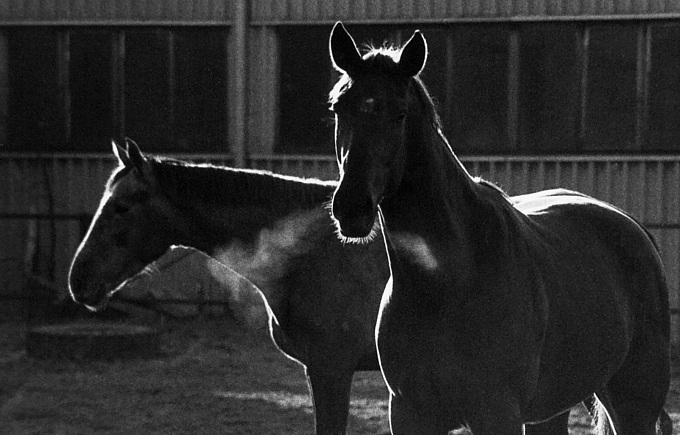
pixel 500 311
pixel 322 298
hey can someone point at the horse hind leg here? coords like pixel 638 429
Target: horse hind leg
pixel 632 408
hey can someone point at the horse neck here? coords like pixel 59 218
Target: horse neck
pixel 435 201
pixel 223 204
pixel 253 223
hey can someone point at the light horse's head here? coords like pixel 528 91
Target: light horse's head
pixel 133 226
pixel 373 108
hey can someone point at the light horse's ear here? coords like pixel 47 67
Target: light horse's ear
pixel 413 55
pixel 120 153
pixel 135 155
pixel 344 54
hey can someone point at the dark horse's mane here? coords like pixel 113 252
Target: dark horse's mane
pixel 223 185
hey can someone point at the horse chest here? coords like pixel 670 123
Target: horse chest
pixel 426 320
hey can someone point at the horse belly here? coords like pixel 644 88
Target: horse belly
pixel 584 346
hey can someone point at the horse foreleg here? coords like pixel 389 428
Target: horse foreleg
pixel 497 415
pixel 664 425
pixel 330 394
pixel 406 419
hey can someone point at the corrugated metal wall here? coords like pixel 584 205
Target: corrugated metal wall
pixel 264 12
pixel 300 11
pixel 645 186
pixel 114 11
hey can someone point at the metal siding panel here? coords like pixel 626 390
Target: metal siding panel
pixel 391 9
pixel 409 9
pixel 522 7
pixel 375 9
pixel 489 8
pixel 312 10
pixel 327 9
pixel 108 11
pixel 263 92
pixel 281 10
pixel 605 7
pixel 342 10
pixel 261 10
pixel 296 10
pixel 424 8
pixel 441 10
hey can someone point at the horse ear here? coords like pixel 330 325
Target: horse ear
pixel 138 161
pixel 344 54
pixel 121 153
pixel 413 55
pixel 135 156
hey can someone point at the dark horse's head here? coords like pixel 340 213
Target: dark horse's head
pixel 372 111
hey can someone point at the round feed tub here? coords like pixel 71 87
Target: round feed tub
pixel 106 341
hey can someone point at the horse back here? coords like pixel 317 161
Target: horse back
pixel 576 233
pixel 601 271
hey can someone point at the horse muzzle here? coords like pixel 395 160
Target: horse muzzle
pixel 94 299
pixel 354 219
pixel 86 291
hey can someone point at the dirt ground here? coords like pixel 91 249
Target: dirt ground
pixel 213 376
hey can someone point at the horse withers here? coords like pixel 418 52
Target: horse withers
pixel 500 312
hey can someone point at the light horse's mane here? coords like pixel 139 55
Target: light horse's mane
pixel 212 184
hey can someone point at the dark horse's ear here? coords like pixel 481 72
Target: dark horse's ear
pixel 344 54
pixel 121 153
pixel 413 55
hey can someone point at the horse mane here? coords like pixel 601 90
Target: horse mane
pixel 212 184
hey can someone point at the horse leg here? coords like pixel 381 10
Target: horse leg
pixel 664 426
pixel 635 395
pixel 330 394
pixel 497 414
pixel 405 419
pixel 630 415
pixel 558 425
